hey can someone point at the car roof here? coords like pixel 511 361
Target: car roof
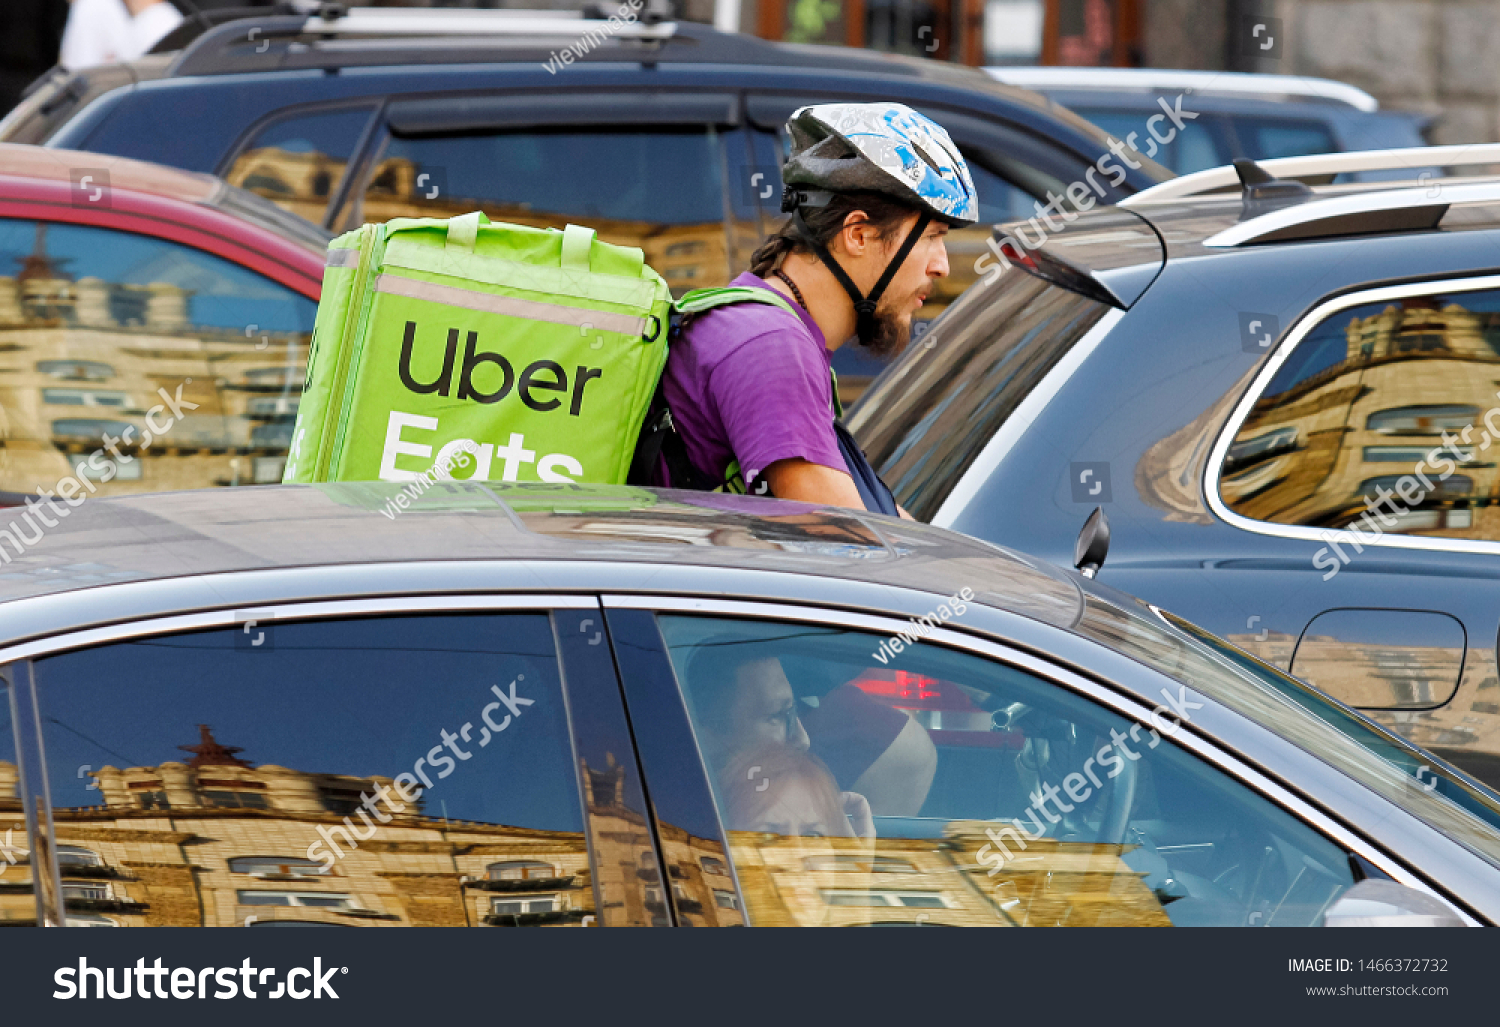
pixel 57 167
pixel 153 537
pixel 286 49
pixel 1231 105
pixel 1201 83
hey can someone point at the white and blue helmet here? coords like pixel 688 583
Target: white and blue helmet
pixel 885 148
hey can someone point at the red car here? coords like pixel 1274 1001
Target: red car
pixel 153 326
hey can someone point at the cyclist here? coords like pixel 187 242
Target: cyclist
pixel 872 189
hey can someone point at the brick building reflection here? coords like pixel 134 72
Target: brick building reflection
pixel 82 357
pixel 833 882
pixel 215 841
pixel 1313 453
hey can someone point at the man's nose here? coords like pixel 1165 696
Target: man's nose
pixel 799 739
pixel 939 266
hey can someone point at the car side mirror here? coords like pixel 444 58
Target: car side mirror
pixel 1093 544
pixel 1373 903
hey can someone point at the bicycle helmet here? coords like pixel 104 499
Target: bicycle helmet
pixel 884 148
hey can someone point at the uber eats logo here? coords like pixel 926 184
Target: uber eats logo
pixel 540 376
pixel 542 385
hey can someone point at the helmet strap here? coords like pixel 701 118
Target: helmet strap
pixel 864 305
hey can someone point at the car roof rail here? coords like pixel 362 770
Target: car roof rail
pixel 1223 83
pixel 290 40
pixel 1323 166
pixel 200 21
pixel 1404 209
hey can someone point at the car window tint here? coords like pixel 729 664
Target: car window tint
pixel 298 162
pixel 659 189
pixel 376 772
pixel 180 342
pixel 866 781
pixel 1199 144
pixel 1003 337
pixel 1375 423
pixel 135 364
pixel 1264 138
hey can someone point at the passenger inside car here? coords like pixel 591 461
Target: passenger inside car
pixel 783 790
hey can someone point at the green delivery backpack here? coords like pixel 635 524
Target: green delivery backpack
pixel 498 352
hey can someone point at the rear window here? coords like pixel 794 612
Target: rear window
pixel 927 418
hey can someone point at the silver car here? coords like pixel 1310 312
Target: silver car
pixel 368 705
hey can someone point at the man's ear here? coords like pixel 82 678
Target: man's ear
pixel 857 233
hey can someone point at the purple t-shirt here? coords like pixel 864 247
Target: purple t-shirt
pixel 750 382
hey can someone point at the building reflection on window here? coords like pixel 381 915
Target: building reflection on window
pixel 1379 413
pixel 94 322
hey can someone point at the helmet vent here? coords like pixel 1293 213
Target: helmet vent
pixel 925 158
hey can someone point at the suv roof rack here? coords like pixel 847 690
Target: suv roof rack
pixel 1223 83
pixel 1407 209
pixel 1323 166
pixel 362 37
pixel 337 20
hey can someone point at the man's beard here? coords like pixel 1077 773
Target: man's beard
pixel 890 336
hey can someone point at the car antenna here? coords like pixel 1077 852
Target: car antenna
pixel 1263 192
pixel 1093 544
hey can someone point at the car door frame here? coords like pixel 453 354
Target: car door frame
pixel 604 696
pixel 374 121
pixel 643 693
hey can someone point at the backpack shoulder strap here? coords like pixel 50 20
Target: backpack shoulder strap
pixel 699 300
pixel 659 439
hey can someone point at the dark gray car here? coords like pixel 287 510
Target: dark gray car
pixel 363 704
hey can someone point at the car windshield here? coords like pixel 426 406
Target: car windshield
pixel 1410 777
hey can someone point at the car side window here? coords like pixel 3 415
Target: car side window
pixel 869 780
pixel 1265 138
pixel 1199 144
pixel 657 187
pixel 137 364
pixel 390 771
pixel 297 162
pixel 1376 423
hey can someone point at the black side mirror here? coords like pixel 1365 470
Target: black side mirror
pixel 1093 544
